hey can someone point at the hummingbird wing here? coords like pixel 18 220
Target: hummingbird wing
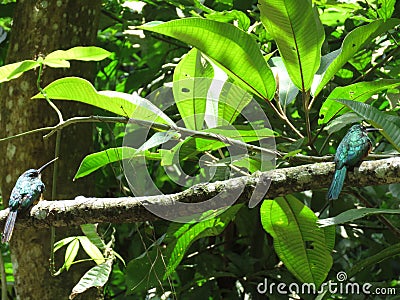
pixel 341 155
pixel 359 148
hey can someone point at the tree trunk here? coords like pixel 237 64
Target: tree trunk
pixel 40 27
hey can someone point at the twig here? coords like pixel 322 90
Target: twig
pixel 386 59
pixel 382 219
pixel 149 124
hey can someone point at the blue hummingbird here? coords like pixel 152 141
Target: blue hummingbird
pixel 26 192
pixel 353 148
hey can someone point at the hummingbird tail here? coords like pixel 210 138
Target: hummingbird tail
pixel 9 227
pixel 337 183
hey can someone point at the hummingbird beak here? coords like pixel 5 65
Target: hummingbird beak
pixel 373 129
pixel 46 165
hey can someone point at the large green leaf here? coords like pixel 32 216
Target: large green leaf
pixel 298 33
pixel 303 247
pixel 352 43
pixel 354 214
pixel 189 233
pixel 389 123
pixel 81 90
pixel 231 48
pixel 359 92
pixel 95 161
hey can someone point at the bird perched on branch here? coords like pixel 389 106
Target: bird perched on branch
pixel 26 192
pixel 353 148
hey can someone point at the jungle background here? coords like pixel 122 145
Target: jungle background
pixel 314 68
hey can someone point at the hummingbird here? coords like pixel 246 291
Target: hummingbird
pixel 353 148
pixel 26 192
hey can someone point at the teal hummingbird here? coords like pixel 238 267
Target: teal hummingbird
pixel 353 148
pixel 26 192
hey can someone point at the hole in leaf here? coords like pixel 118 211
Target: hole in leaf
pixel 309 245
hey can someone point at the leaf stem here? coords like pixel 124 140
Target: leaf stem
pixel 55 169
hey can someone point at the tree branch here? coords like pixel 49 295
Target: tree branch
pixel 130 209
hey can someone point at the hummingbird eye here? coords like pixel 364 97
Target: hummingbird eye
pixel 32 174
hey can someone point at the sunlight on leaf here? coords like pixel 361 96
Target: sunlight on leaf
pixel 232 49
pixel 127 105
pixel 303 247
pixel 298 33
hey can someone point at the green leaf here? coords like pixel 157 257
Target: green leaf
pixel 385 8
pixel 231 16
pixel 12 71
pixel 298 33
pixel 355 214
pixel 359 92
pixel 157 139
pixel 89 53
pixel 81 90
pixel 193 65
pixel 63 242
pixel 95 277
pixel 91 250
pixel 303 247
pixel 326 60
pixel 389 123
pixel 191 98
pixel 231 102
pixel 352 43
pixel 95 161
pixel 342 121
pixel 189 78
pixel 189 233
pixel 71 252
pixel 90 231
pixel 287 90
pixel 235 51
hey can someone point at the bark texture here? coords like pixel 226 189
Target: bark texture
pixel 40 27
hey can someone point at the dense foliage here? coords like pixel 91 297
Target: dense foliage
pixel 313 68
